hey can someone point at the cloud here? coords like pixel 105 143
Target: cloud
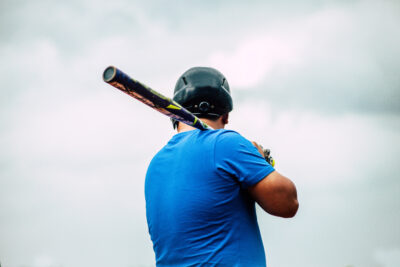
pixel 327 145
pixel 316 82
pixel 388 257
pixel 256 58
pixel 334 60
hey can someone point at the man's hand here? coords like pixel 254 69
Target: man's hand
pixel 266 153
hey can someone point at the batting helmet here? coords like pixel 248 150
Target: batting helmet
pixel 204 92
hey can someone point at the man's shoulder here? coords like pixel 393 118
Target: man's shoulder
pixel 229 142
pixel 228 136
pixel 224 134
pixel 196 139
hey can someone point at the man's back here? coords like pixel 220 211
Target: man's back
pixel 198 208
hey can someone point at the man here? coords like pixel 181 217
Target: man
pixel 201 187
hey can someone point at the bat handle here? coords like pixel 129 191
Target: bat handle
pixel 268 157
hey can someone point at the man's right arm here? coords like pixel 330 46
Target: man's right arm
pixel 238 157
pixel 276 194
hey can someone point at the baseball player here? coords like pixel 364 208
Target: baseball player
pixel 202 186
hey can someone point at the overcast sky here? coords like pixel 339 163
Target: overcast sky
pixel 318 82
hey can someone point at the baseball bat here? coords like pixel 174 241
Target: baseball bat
pixel 152 98
pixel 157 101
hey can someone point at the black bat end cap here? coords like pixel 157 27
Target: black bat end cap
pixel 109 73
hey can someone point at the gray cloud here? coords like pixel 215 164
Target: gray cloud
pixel 344 51
pixel 336 59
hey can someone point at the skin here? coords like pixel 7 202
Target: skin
pixel 276 194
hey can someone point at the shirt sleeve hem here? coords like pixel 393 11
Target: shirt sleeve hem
pixel 259 176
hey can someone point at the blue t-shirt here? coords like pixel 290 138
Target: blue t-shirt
pixel 199 212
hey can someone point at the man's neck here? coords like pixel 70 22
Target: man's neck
pixel 182 127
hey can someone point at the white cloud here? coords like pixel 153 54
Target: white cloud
pixel 43 261
pixel 388 257
pixel 282 47
pixel 256 58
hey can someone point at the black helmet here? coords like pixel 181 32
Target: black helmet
pixel 204 92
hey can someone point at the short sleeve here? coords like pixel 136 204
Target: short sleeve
pixel 240 159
